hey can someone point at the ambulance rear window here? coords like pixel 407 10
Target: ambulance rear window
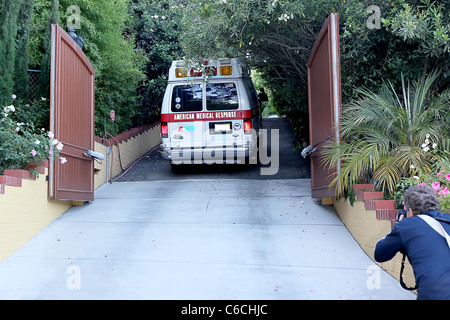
pixel 221 96
pixel 187 98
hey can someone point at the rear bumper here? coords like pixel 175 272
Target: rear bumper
pixel 210 155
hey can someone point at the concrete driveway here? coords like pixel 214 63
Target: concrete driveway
pixel 204 233
pixel 213 239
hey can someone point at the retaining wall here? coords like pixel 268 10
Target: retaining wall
pixel 24 208
pixel 369 219
pixel 129 146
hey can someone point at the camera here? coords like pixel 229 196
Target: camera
pixel 400 215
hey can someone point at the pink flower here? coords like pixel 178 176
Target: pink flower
pixel 447 176
pixel 50 152
pixel 33 153
pixel 422 184
pixel 436 185
pixel 444 192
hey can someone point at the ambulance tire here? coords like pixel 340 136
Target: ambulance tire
pixel 176 167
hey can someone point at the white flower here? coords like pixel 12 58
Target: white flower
pixel 55 142
pixel 416 177
pixel 426 149
pixel 286 17
pixel 17 129
pixel 63 160
pixel 51 135
pixel 412 166
pixel 427 141
pixel 427 136
pixel 434 145
pixel 14 97
pixel 10 108
pixel 37 142
pixel 43 99
pixel 60 146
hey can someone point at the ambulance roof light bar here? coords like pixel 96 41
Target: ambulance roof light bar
pixel 221 68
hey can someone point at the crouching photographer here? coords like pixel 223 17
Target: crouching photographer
pixel 421 233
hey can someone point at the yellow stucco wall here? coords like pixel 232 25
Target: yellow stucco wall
pixel 130 150
pixel 367 230
pixel 25 211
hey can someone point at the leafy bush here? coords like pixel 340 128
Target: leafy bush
pixel 22 144
pixel 383 135
pixel 155 24
pixel 110 47
pixel 438 178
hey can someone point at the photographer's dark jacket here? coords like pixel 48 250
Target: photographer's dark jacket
pixel 427 251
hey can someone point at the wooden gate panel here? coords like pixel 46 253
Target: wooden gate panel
pixel 324 90
pixel 71 119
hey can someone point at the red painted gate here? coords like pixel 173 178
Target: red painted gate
pixel 324 90
pixel 71 119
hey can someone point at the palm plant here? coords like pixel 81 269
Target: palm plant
pixel 383 135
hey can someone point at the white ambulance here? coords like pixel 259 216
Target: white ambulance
pixel 210 114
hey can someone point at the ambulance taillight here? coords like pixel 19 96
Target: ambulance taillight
pixel 247 126
pixel 164 130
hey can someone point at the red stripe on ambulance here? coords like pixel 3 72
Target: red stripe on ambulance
pixel 207 116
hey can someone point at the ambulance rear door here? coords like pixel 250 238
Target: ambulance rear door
pixel 184 129
pixel 225 125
